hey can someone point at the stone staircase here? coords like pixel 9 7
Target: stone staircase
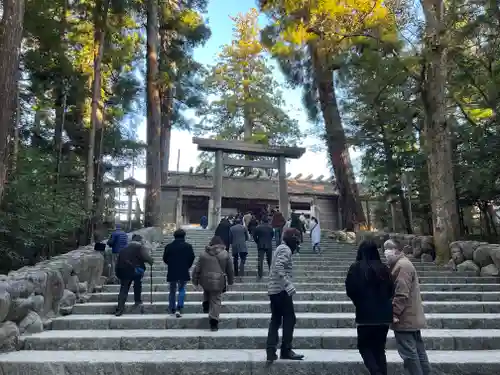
pixel 463 315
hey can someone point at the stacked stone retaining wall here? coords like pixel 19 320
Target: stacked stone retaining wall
pixel 31 296
pixel 474 257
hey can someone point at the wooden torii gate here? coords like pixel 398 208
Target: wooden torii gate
pixel 220 148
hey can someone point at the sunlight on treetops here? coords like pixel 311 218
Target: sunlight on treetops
pixel 190 18
pixel 478 114
pixel 337 23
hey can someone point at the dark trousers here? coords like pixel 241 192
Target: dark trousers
pixel 268 253
pixel 239 260
pixel 371 346
pixel 282 312
pixel 278 232
pixel 125 287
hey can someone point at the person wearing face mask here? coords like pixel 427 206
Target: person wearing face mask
pixel 407 311
pixel 281 290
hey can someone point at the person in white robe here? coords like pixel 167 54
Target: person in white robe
pixel 315 235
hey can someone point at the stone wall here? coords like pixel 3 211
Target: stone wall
pixel 31 296
pixel 481 258
pixel 339 235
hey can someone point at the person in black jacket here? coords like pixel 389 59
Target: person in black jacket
pixel 297 224
pixel 222 231
pixel 252 225
pixel 130 267
pixel 179 257
pixel 369 286
pixel 263 237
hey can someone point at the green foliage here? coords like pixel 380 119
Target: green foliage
pixel 381 116
pixel 245 101
pixel 182 28
pixel 383 112
pixel 58 60
pixel 39 216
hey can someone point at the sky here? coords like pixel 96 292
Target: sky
pixel 218 15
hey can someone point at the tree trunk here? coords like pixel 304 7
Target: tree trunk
pixel 166 99
pixel 167 11
pixel 166 133
pixel 97 209
pixel 61 96
pixel 100 19
pixel 11 33
pixel 15 133
pixel 437 132
pixel 247 124
pixel 349 200
pixel 153 171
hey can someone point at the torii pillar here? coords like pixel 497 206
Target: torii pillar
pixel 283 187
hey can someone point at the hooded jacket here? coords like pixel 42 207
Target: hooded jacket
pixel 213 269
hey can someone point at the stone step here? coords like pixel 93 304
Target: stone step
pixel 257 320
pixel 250 338
pixel 253 254
pixel 340 279
pixel 301 296
pixel 298 267
pixel 262 306
pixel 327 251
pixel 305 249
pixel 262 286
pixel 252 271
pixel 325 265
pixel 231 362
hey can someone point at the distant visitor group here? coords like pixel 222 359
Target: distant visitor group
pixel 384 295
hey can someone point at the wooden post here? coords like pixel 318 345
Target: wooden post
pixel 217 189
pixel 283 188
pixel 178 209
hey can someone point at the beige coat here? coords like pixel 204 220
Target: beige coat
pixel 407 303
pixel 213 269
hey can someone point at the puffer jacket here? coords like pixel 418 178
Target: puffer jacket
pixel 213 269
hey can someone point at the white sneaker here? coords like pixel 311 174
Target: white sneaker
pixel 178 314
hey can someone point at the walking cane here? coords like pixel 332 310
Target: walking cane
pixel 151 285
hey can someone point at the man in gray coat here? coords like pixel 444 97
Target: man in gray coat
pixel 238 237
pixel 408 311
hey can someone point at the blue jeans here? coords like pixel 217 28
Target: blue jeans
pixel 180 299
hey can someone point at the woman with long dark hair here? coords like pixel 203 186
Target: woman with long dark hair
pixel 369 286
